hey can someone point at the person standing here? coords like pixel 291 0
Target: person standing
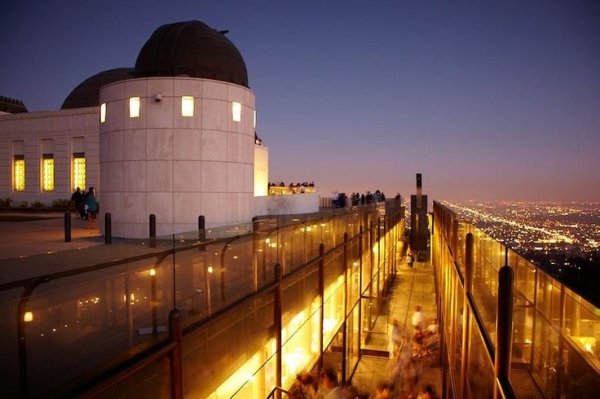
pixel 91 205
pixel 77 199
pixel 418 318
pixel 395 339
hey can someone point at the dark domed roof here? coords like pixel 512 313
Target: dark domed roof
pixel 191 49
pixel 87 94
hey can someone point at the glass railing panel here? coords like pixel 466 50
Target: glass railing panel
pixel 353 277
pixel 548 298
pixel 223 356
pixel 480 375
pixel 298 245
pixel 581 376
pixel 546 357
pixel 352 344
pixel 300 348
pixel 457 323
pixel 334 308
pixel 582 328
pixel 524 276
pixel 485 283
pixel 9 337
pixel 333 266
pixel 94 317
pixel 152 381
pixel 299 291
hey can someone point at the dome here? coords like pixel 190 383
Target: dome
pixel 191 49
pixel 87 94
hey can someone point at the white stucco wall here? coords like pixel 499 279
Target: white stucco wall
pixel 261 170
pixel 173 166
pixel 59 126
pixel 286 204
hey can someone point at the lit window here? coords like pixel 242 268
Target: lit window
pixel 187 106
pixel 78 170
pixel 134 107
pixel 254 123
pixel 102 112
pixel 236 111
pixel 19 173
pixel 48 172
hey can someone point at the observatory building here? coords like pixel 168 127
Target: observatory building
pixel 173 136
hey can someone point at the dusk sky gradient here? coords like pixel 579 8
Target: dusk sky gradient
pixel 490 100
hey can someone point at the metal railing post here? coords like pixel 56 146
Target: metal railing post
pixel 278 326
pixel 176 357
pixel 201 228
pixel 67 226
pixel 322 295
pixel 504 327
pixel 152 228
pixel 107 228
pixel 466 313
pixel 344 324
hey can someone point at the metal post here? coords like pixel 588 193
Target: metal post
pixel 67 226
pixel 455 239
pixel 360 287
pixel 322 295
pixel 504 327
pixel 255 243
pixel 466 314
pixel 107 228
pixel 176 357
pixel 344 324
pixel 278 326
pixel 152 230
pixel 153 302
pixel 201 228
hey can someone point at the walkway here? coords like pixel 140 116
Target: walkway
pixel 412 286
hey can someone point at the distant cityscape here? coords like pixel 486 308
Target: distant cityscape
pixel 561 238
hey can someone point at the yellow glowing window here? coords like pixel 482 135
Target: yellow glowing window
pixel 187 106
pixel 236 111
pixel 78 170
pixel 102 112
pixel 19 173
pixel 134 107
pixel 48 172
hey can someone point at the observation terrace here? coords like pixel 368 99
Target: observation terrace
pixel 239 311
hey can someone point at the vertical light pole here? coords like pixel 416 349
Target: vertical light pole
pixel 153 301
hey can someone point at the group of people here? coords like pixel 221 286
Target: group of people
pixel 385 391
pixel 87 205
pixel 405 353
pixel 325 386
pixel 341 200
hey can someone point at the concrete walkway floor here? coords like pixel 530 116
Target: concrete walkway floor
pixel 412 287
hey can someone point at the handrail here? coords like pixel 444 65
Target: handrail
pixel 277 389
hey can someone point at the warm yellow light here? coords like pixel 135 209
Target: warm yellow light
pixel 28 317
pixel 102 112
pixel 210 269
pixel 187 106
pixel 134 107
pixel 236 111
pixel 19 173
pixel 48 173
pixel 153 272
pixel 79 171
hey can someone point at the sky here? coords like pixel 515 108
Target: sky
pixel 489 100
